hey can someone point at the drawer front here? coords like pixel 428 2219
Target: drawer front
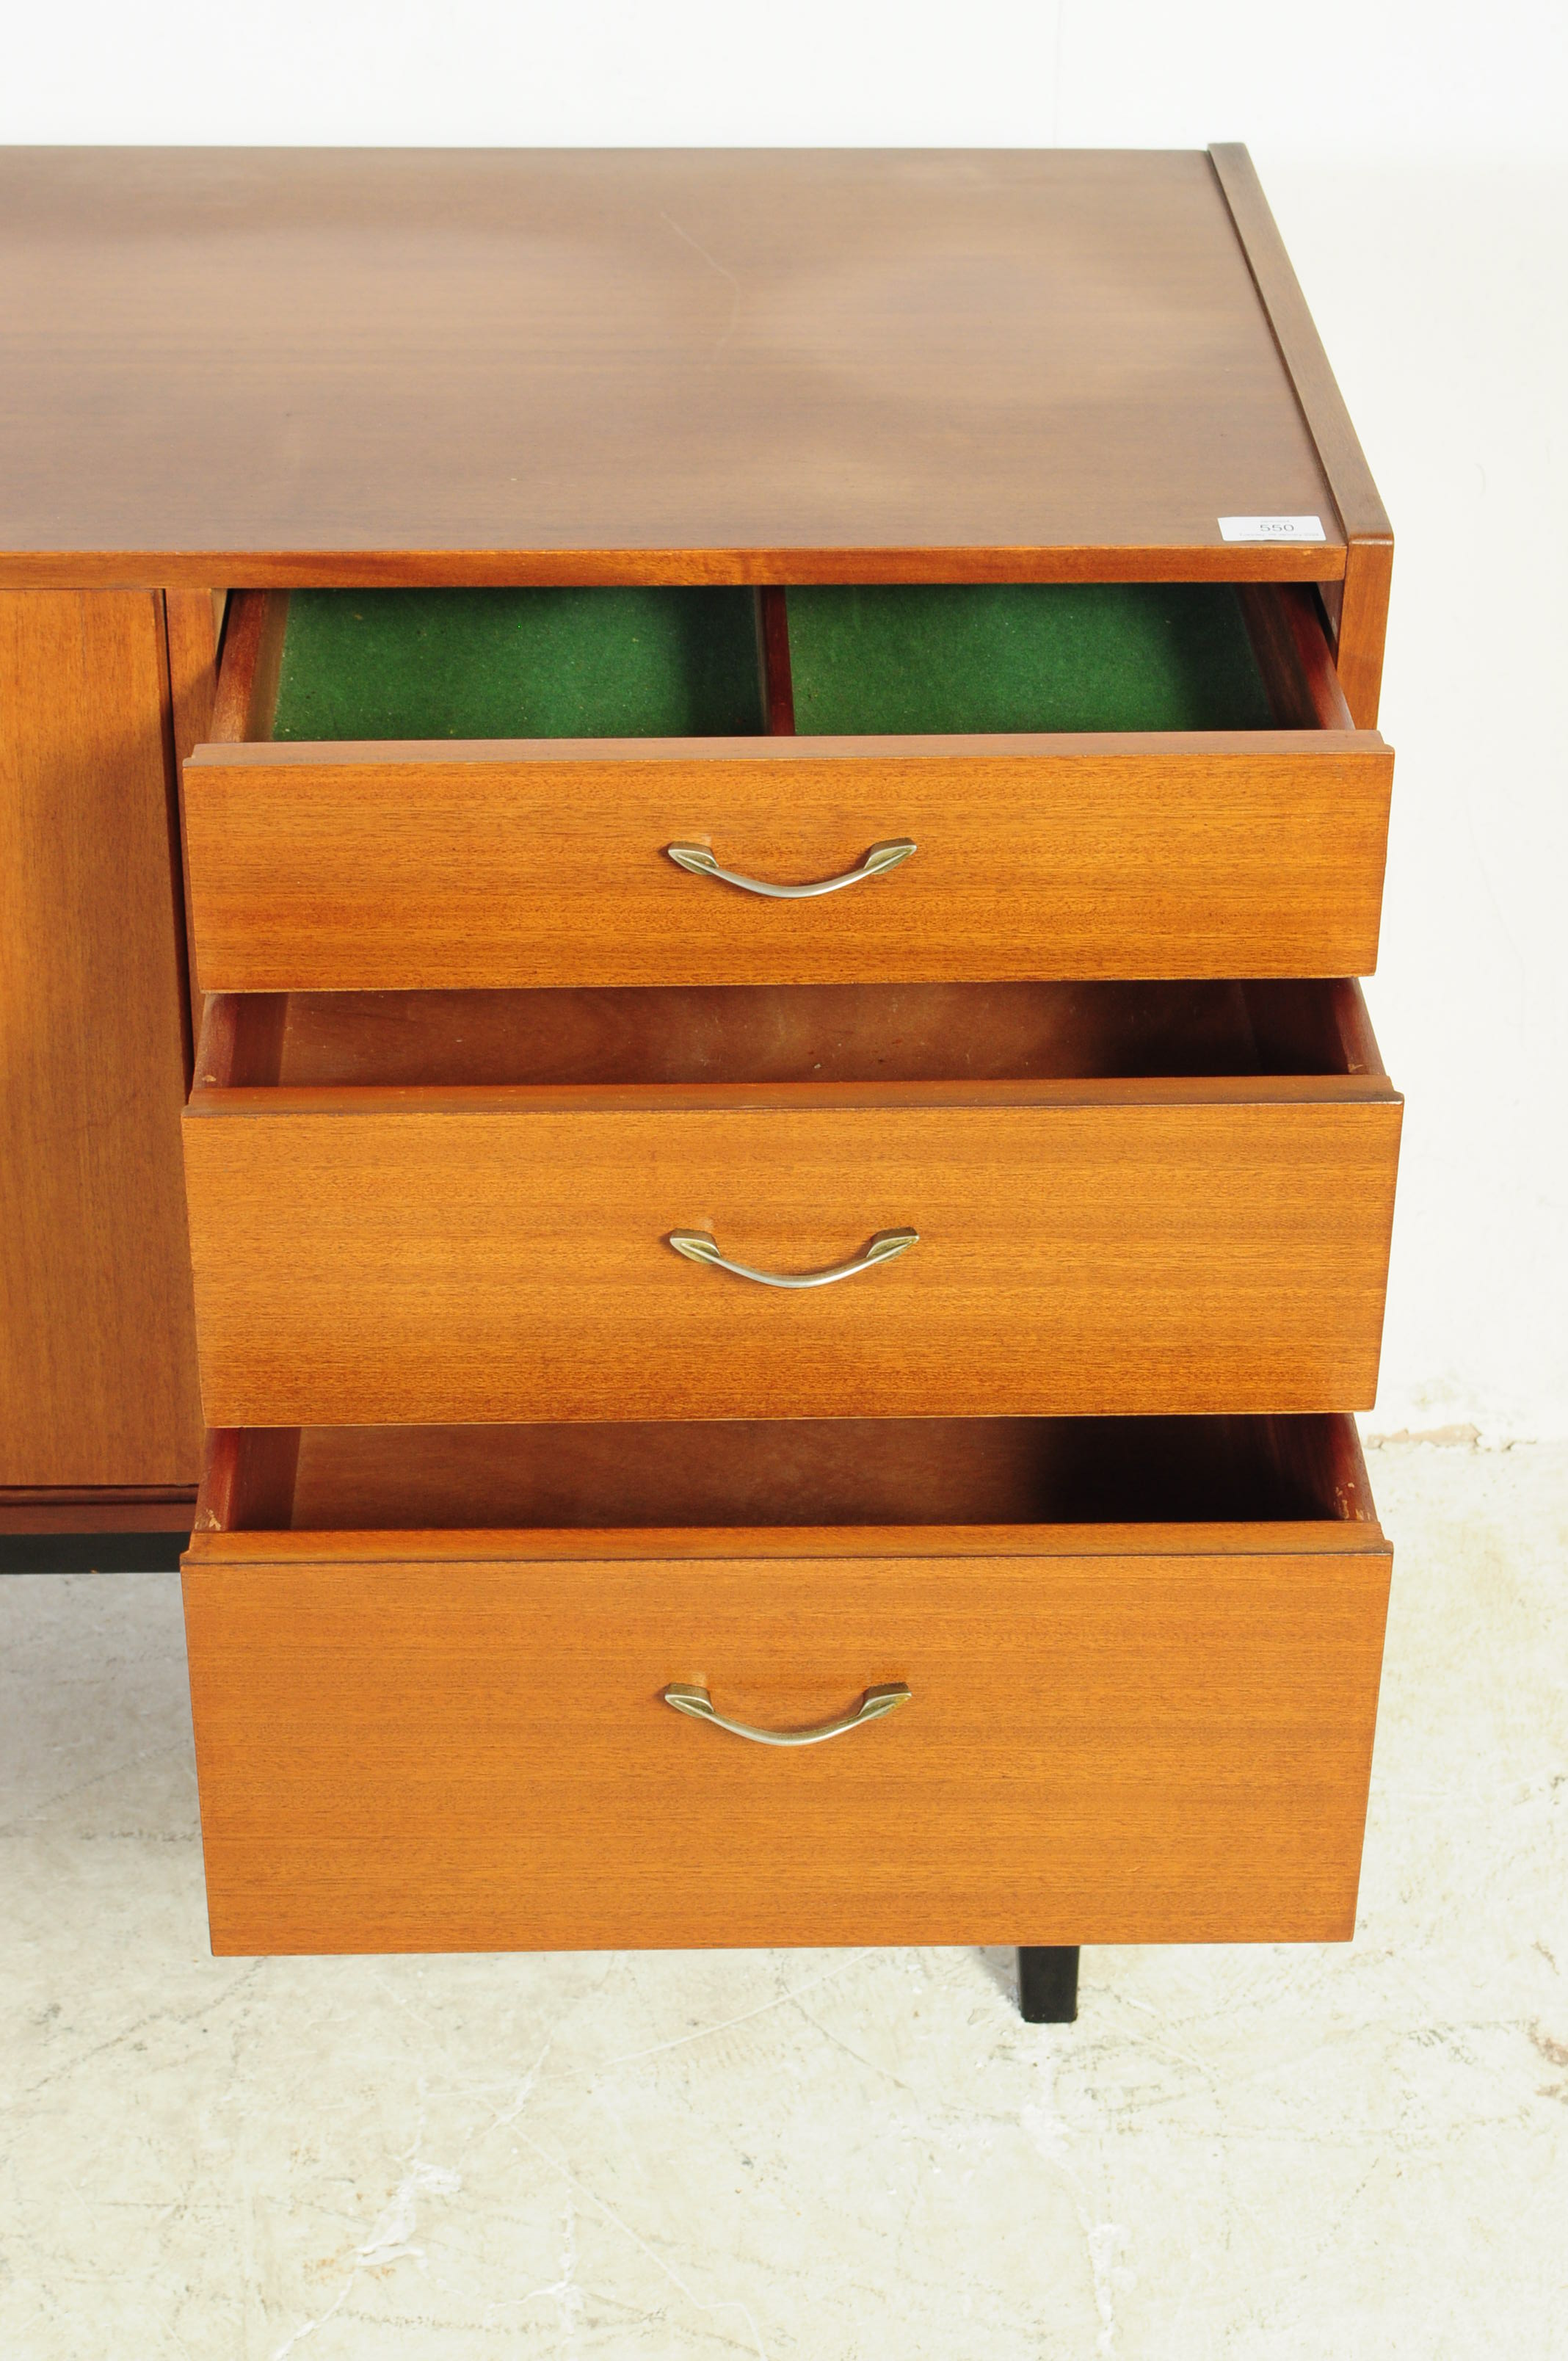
pixel 392 1257
pixel 1122 1742
pixel 377 867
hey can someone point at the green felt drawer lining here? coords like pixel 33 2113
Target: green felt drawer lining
pixel 519 664
pixel 1093 656
pixel 662 663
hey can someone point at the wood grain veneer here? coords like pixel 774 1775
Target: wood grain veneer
pixel 1139 1739
pixel 623 367
pixel 97 1343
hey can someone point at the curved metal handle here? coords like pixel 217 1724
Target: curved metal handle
pixel 877 863
pixel 700 1246
pixel 872 1708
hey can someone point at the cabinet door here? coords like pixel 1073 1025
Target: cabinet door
pixel 98 1349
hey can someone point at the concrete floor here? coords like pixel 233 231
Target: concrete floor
pixel 1347 2152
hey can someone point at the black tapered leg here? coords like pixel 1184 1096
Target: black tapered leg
pixel 1047 1983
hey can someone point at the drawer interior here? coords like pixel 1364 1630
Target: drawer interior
pixel 749 1034
pixel 324 666
pixel 788 1472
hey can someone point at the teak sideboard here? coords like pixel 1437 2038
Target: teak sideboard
pixel 736 800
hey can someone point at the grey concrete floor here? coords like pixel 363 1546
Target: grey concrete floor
pixel 1346 2152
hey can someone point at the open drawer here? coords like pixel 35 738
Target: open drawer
pixel 1004 1200
pixel 431 1685
pixel 488 789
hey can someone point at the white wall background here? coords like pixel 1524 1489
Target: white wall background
pixel 1415 154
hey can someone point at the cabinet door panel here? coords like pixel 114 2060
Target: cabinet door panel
pixel 97 1347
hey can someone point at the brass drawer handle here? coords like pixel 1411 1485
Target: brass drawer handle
pixel 698 1246
pixel 877 863
pixel 872 1708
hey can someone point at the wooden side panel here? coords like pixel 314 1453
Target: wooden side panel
pixel 1363 625
pixel 1157 1747
pixel 246 690
pixel 376 868
pixel 1362 611
pixel 192 620
pixel 1144 1248
pixel 97 1349
pixel 1287 633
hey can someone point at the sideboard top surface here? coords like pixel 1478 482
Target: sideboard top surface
pixel 272 366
